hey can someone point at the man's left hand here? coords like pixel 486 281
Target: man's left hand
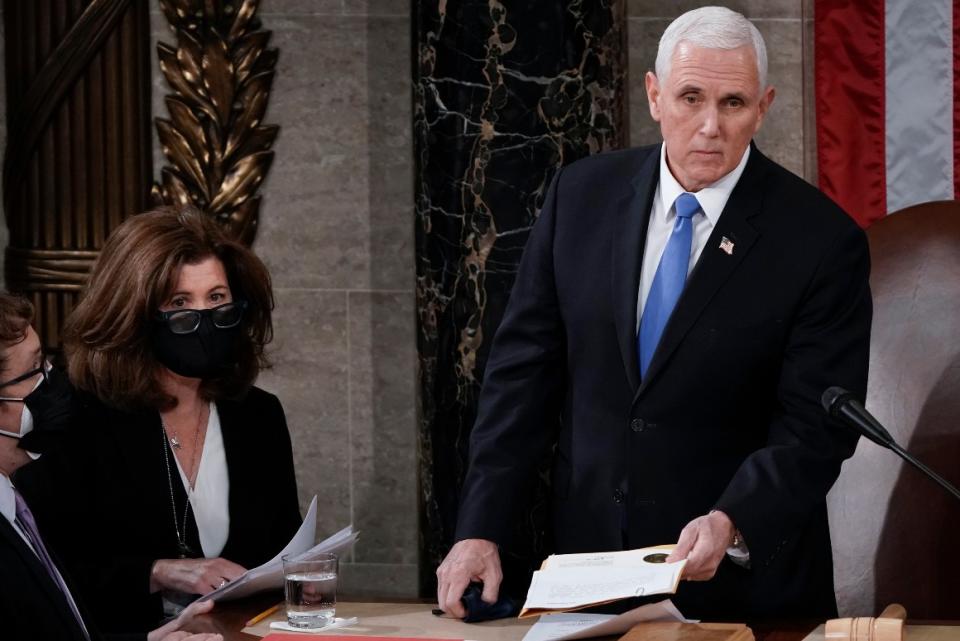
pixel 703 543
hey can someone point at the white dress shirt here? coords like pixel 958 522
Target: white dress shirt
pixel 712 198
pixel 210 497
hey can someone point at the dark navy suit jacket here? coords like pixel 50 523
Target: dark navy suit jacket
pixel 729 414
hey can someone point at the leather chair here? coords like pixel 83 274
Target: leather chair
pixel 896 535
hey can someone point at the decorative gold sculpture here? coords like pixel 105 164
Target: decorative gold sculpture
pixel 221 72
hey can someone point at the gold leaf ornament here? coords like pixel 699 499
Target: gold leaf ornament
pixel 218 148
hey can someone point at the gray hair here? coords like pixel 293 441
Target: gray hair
pixel 711 28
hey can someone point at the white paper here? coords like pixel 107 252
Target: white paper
pixel 270 575
pixel 335 624
pixel 579 625
pixel 625 558
pixel 569 581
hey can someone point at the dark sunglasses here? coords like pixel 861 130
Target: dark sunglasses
pixel 42 370
pixel 186 321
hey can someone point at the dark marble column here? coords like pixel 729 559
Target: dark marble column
pixel 505 93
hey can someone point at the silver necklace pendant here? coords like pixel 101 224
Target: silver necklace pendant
pixel 175 443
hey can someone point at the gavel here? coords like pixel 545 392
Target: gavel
pixel 886 627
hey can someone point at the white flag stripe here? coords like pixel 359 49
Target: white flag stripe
pixel 919 101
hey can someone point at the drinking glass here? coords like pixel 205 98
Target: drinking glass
pixel 310 589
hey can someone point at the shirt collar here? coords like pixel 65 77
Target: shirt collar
pixel 712 198
pixel 8 503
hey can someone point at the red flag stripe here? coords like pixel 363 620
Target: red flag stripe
pixel 849 81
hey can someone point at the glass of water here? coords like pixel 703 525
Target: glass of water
pixel 310 588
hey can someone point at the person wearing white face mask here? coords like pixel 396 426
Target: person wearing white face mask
pixel 44 409
pixel 36 600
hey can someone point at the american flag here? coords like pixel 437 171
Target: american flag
pixel 726 245
pixel 888 103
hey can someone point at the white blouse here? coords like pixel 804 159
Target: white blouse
pixel 210 497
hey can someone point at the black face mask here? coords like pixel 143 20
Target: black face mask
pixel 53 406
pixel 207 352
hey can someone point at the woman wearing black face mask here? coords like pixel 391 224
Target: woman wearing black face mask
pixel 180 471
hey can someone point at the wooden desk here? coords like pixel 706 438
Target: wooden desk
pixel 414 619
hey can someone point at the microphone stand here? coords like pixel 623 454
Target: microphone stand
pixel 844 406
pixel 909 458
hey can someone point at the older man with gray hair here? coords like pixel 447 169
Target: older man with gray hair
pixel 678 312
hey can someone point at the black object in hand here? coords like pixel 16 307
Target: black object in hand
pixel 479 610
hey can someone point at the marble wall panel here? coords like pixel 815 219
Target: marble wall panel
pixel 782 136
pixel 504 94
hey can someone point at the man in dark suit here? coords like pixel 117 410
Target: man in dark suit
pixel 36 600
pixel 678 312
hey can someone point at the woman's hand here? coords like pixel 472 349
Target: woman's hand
pixel 193 576
pixel 176 630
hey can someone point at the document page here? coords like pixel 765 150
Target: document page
pixel 624 558
pixel 575 581
pixel 270 575
pixel 580 625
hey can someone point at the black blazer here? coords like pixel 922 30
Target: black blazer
pixel 729 414
pixel 103 501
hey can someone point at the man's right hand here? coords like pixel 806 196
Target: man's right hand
pixel 468 560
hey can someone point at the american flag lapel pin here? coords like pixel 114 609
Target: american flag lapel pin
pixel 727 246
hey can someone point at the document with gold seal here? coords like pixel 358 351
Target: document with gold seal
pixel 567 582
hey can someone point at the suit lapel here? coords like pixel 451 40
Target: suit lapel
pixel 715 265
pixel 40 575
pixel 630 235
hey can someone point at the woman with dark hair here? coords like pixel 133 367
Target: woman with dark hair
pixel 179 473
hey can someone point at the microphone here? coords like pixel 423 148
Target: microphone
pixel 843 405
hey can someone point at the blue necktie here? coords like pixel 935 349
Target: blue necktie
pixel 668 281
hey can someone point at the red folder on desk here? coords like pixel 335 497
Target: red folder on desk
pixel 293 636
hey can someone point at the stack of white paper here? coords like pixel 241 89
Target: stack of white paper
pixel 270 575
